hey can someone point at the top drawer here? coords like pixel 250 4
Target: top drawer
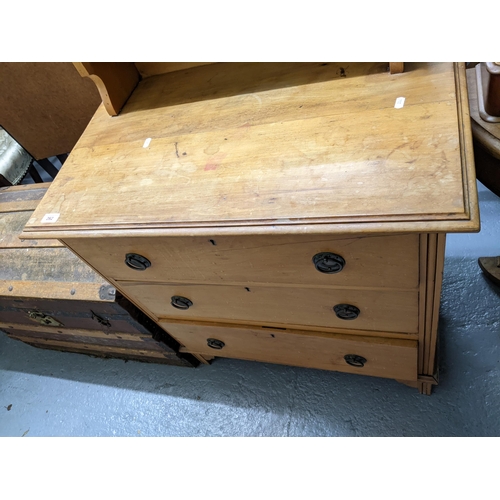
pixel 376 261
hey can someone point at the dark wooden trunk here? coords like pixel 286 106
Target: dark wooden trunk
pixel 49 298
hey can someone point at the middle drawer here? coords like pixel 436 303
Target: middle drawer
pixel 389 311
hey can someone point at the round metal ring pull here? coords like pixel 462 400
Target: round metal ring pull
pixel 329 263
pixel 346 311
pixel 137 262
pixel 355 360
pixel 180 302
pixel 215 344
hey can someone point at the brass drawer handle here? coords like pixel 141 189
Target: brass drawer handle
pixel 329 263
pixel 43 319
pixel 215 344
pixel 137 262
pixel 355 360
pixel 180 302
pixel 346 311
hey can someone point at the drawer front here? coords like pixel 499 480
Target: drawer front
pixel 377 261
pixel 391 311
pixel 382 357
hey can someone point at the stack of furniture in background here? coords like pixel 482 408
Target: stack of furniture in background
pixel 14 160
pixel 49 298
pixel 44 107
pixel 484 96
pixel 17 166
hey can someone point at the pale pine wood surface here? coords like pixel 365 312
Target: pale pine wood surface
pixel 157 68
pixel 385 358
pixel 432 368
pixel 396 67
pixel 115 81
pixel 298 145
pixel 243 150
pixel 432 252
pixel 52 290
pixel 380 310
pixel 381 262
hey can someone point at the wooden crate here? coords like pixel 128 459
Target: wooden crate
pixel 51 299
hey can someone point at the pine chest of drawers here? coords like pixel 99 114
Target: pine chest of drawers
pixel 285 213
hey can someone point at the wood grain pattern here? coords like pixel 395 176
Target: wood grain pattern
pixel 434 311
pixel 70 346
pixel 16 206
pixel 429 297
pixel 423 250
pixel 28 205
pixel 110 352
pixel 46 278
pixel 331 150
pixel 432 264
pixel 136 336
pixel 466 150
pixel 11 226
pixel 381 262
pixel 146 343
pixel 14 199
pixel 158 68
pixel 396 67
pixel 380 310
pixel 38 269
pixel 230 177
pixel 385 358
pixel 26 288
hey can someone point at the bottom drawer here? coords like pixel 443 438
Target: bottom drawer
pixel 375 356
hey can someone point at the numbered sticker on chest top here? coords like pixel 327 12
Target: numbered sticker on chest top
pixel 50 217
pixel 400 102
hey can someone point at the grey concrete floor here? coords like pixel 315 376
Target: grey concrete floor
pixel 61 394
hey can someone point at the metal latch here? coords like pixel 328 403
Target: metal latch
pixel 43 319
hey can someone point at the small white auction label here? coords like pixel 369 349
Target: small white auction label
pixel 400 102
pixel 50 217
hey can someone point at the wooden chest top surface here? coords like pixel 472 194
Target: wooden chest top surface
pixel 305 147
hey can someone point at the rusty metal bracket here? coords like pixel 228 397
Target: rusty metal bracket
pixel 107 292
pixel 43 319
